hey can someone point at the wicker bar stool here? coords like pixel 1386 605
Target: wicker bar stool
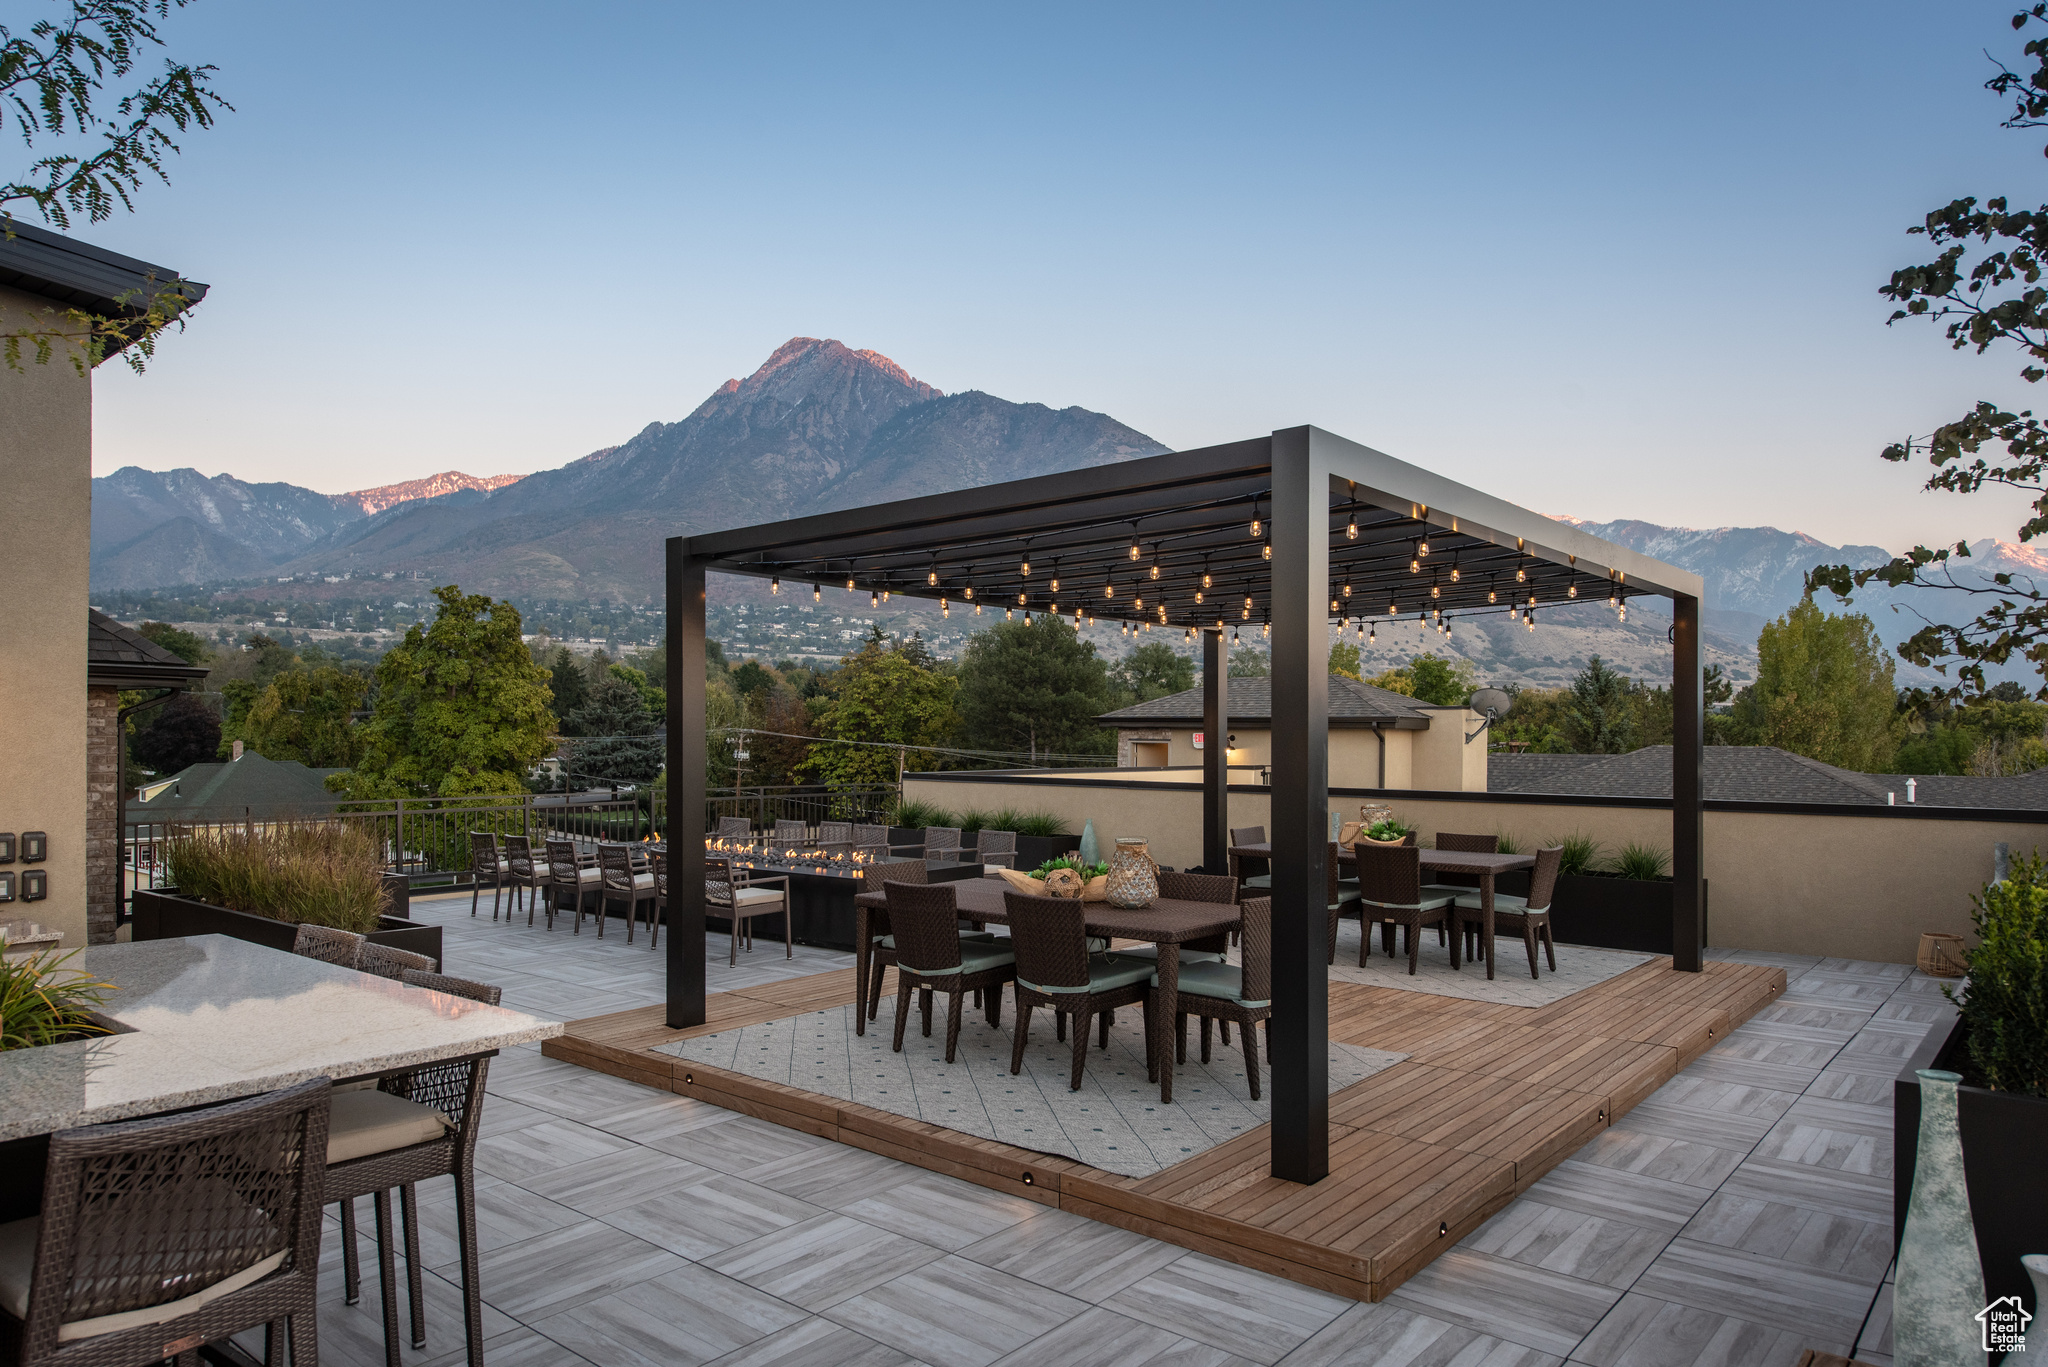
pixel 527 877
pixel 1049 937
pixel 575 873
pixel 1390 889
pixel 931 957
pixel 1231 992
pixel 1528 915
pixel 328 945
pixel 486 863
pixel 225 1200
pixel 622 883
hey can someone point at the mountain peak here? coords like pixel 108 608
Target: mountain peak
pixel 812 356
pixel 373 501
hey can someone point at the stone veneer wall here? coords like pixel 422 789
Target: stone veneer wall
pixel 103 753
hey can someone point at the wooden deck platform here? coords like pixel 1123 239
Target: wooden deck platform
pixel 1490 1099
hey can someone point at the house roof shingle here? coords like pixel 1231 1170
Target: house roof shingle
pixel 264 788
pixel 119 657
pixel 1251 703
pixel 1753 773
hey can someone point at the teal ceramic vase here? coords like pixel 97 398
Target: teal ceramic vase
pixel 1940 1282
pixel 1091 848
pixel 2036 1340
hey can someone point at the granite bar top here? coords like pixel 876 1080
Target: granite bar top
pixel 209 1018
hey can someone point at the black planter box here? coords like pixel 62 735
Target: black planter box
pixel 2004 1139
pixel 1609 913
pixel 161 914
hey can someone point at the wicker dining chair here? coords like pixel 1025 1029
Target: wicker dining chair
pixel 882 944
pixel 1240 993
pixel 413 1126
pixel 931 957
pixel 622 883
pixel 328 945
pixel 1527 916
pixel 791 835
pixel 453 986
pixel 736 828
pixel 657 864
pixel 872 841
pixel 1192 887
pixel 997 849
pixel 486 863
pixel 1391 893
pixel 738 895
pixel 1451 842
pixel 1343 897
pixel 161 1234
pixel 387 962
pixel 942 842
pixel 835 837
pixel 575 873
pixel 528 878
pixel 1049 939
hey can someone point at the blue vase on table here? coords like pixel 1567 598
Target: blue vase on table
pixel 1091 848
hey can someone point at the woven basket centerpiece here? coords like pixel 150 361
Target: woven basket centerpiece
pixel 1063 883
pixel 1133 876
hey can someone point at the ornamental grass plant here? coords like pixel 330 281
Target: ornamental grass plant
pixel 42 1001
pixel 2005 1002
pixel 323 874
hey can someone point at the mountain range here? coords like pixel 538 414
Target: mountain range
pixel 818 426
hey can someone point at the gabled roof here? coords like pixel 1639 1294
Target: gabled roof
pixel 1753 773
pixel 72 274
pixel 1251 704
pixel 119 657
pixel 262 788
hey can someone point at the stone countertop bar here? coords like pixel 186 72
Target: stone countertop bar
pixel 211 1018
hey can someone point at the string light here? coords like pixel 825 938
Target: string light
pixel 1266 551
pixel 1198 595
pixel 849 583
pixel 1333 605
pixel 1351 528
pixel 945 609
pixel 1622 612
pixel 1258 527
pixel 1265 629
pixel 967 592
pixel 1024 567
pixel 1422 547
pixel 1055 574
pixel 775 584
pixel 931 578
pixel 1138 602
pixel 1392 610
pixel 1027 617
pixel 1571 591
pixel 874 598
pixel 1233 636
pixel 1414 559
pixel 1009 614
pixel 977 609
pixel 1136 554
pixel 1492 594
pixel 1521 572
pixel 885 595
pixel 1109 588
pixel 1155 561
pixel 1022 598
pixel 817 594
pixel 1436 590
pixel 1372 635
pixel 1207 582
pixel 1454 569
pixel 1347 584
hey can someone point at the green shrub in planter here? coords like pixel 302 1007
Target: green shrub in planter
pixel 43 1002
pixel 1644 862
pixel 917 814
pixel 1043 825
pixel 1581 852
pixel 327 874
pixel 2005 1003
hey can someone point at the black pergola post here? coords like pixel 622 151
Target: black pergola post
pixel 687 754
pixel 1215 753
pixel 1688 824
pixel 1301 803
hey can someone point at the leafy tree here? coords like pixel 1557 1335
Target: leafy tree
pixel 750 680
pixel 1248 662
pixel 1985 289
pixel 1997 734
pixel 1599 714
pixel 571 686
pixel 241 677
pixel 182 644
pixel 1441 682
pixel 1153 670
pixel 1823 689
pixel 1395 680
pixel 884 697
pixel 1538 716
pixel 1344 659
pixel 1034 687
pixel 619 744
pixel 462 710
pixel 309 716
pixel 777 758
pixel 653 696
pixel 54 89
pixel 183 732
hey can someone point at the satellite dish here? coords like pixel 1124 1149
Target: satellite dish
pixel 1491 702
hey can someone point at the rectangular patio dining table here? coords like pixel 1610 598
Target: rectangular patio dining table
pixel 1168 923
pixel 1484 866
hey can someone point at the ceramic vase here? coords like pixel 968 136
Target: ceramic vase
pixel 1940 1281
pixel 2036 1340
pixel 1091 848
pixel 1133 876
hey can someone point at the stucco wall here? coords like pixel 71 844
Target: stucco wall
pixel 46 471
pixel 1354 753
pixel 1849 885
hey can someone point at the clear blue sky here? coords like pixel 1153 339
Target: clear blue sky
pixel 1609 260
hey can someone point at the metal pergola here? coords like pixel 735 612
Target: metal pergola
pixel 1286 534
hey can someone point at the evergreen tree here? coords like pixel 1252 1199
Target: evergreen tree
pixel 1153 670
pixel 1035 688
pixel 309 716
pixel 619 744
pixel 570 686
pixel 183 732
pixel 1600 715
pixel 182 644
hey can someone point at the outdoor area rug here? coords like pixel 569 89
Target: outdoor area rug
pixel 1115 1122
pixel 1578 968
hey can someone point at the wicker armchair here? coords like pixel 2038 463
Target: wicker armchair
pixel 736 829
pixel 881 944
pixel 996 849
pixel 940 842
pixel 1054 969
pixel 1232 992
pixel 454 987
pixel 221 1205
pixel 791 835
pixel 413 1126
pixel 528 878
pixel 736 894
pixel 835 837
pixel 621 882
pixel 931 957
pixel 1390 888
pixel 573 872
pixel 328 945
pixel 387 962
pixel 487 865
pixel 872 841
pixel 1528 916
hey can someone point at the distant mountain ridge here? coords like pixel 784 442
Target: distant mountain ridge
pixel 433 486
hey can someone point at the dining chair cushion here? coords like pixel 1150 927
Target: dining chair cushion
pixel 1258 880
pixel 17 1270
pixel 590 875
pixel 1502 901
pixel 1106 972
pixel 1150 954
pixel 983 937
pixel 975 957
pixel 1223 981
pixel 1431 901
pixel 363 1123
pixel 642 881
pixel 754 897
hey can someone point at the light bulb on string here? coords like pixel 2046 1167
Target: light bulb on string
pixel 1492 594
pixel 1347 585
pixel 977 609
pixel 1454 570
pixel 1247 612
pixel 1022 598
pixel 849 583
pixel 931 576
pixel 1571 591
pixel 1258 527
pixel 885 595
pixel 1024 565
pixel 817 594
pixel 967 592
pixel 1622 612
pixel 1138 602
pixel 1333 605
pixel 1207 582
pixel 1372 634
pixel 1422 547
pixel 1198 595
pixel 1436 590
pixel 874 598
pixel 1055 575
pixel 1136 554
pixel 1266 551
pixel 1414 561
pixel 775 584
pixel 1154 574
pixel 1009 614
pixel 1265 629
pixel 1233 636
pixel 1027 617
pixel 945 608
pixel 1521 574
pixel 1351 528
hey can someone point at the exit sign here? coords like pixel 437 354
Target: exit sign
pixel 1198 740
